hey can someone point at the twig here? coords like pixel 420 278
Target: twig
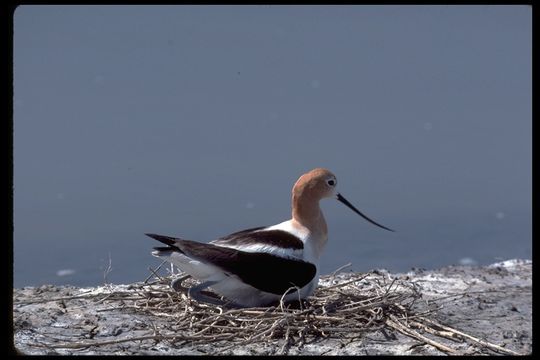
pixel 394 323
pixel 107 270
pixel 342 311
pixel 154 272
pixel 79 345
pixel 479 341
pixel 333 274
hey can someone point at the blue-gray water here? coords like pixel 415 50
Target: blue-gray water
pixel 197 120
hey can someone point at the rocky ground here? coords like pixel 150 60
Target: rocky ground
pixel 486 310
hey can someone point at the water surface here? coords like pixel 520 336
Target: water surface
pixel 197 120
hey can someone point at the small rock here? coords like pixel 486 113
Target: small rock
pixel 508 334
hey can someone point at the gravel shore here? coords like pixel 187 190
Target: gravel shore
pixel 488 310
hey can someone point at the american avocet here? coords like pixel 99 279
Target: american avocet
pixel 257 266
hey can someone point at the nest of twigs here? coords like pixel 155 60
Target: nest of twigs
pixel 340 309
pixel 343 308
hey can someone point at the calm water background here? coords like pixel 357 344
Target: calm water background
pixel 197 120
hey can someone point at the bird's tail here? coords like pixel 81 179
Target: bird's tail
pixel 164 251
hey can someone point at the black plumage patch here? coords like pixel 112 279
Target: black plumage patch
pixel 263 271
pixel 277 238
pixel 167 240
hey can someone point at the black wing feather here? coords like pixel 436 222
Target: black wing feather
pixel 278 238
pixel 264 271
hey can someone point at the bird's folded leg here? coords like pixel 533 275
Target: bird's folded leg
pixel 177 284
pixel 195 293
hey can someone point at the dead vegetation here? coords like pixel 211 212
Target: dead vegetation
pixel 342 310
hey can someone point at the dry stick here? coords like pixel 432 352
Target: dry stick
pixel 274 316
pixel 269 330
pixel 394 323
pixel 445 334
pixel 287 343
pixel 282 299
pixel 271 317
pixel 57 299
pixel 154 272
pixel 103 299
pixel 283 311
pixel 480 341
pixel 390 286
pixel 74 308
pixel 107 270
pixel 339 269
pixel 360 278
pixel 200 322
pixel 118 341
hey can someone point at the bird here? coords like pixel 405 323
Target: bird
pixel 259 266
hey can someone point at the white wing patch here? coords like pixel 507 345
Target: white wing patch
pixel 274 250
pixel 268 248
pixel 309 253
pixel 265 248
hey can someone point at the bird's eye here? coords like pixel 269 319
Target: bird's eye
pixel 331 182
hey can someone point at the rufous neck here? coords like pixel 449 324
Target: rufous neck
pixel 307 212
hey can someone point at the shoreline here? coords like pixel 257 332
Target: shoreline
pixel 488 303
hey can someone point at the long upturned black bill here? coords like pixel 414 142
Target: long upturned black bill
pixel 346 202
